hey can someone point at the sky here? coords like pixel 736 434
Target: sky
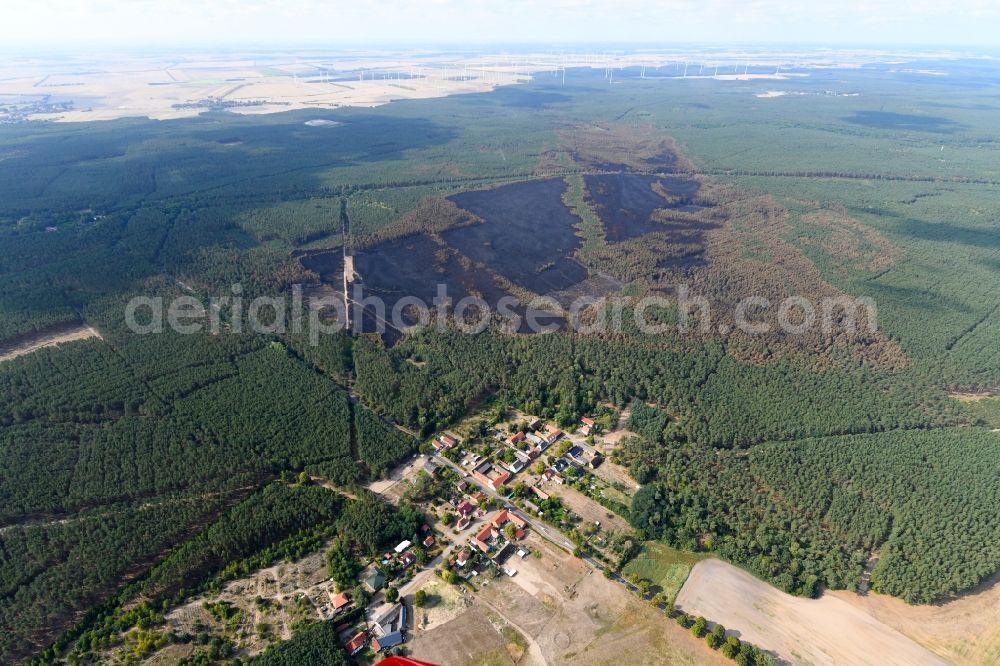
pixel 334 23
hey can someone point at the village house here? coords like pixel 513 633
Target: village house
pixel 505 516
pixel 428 541
pixel 462 558
pixel 387 641
pixel 444 442
pixel 392 620
pixel 357 643
pixel 536 440
pixel 521 460
pixel 491 531
pixel 483 546
pixel 486 534
pixel 486 474
pixel 552 434
pixel 340 600
pixel 466 509
pixel 515 438
pixel 375 582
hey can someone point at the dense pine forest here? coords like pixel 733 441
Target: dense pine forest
pixel 150 466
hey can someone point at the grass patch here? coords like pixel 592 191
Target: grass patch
pixel 492 658
pixel 515 643
pixel 985 409
pixel 665 567
pixel 617 496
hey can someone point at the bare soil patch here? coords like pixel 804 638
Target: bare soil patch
pixel 567 613
pixel 468 639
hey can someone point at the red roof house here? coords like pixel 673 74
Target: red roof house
pixel 357 643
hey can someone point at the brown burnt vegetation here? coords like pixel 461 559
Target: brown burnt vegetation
pixel 614 147
pixel 726 245
pixel 851 246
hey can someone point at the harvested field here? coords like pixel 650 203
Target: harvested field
pixel 801 631
pixel 964 631
pixel 51 338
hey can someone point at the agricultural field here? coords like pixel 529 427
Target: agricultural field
pixel 809 631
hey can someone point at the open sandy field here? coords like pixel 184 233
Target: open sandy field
pixel 176 85
pixel 964 631
pixel 47 340
pixel 800 631
pixel 556 610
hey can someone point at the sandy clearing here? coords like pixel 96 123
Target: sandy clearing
pixel 802 631
pixel 965 631
pixel 48 340
pixel 470 638
pixel 568 614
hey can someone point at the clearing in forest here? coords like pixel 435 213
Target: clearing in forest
pixel 48 338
